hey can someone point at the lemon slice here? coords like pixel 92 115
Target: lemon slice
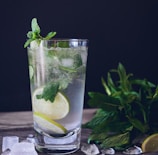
pixel 150 144
pixel 48 125
pixel 56 110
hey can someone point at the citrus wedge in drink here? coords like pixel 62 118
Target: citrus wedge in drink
pixel 150 144
pixel 54 110
pixel 47 124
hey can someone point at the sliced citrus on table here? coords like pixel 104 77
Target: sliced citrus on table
pixel 57 109
pixel 150 144
pixel 48 124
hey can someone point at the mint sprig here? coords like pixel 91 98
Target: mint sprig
pixel 35 34
pixel 127 110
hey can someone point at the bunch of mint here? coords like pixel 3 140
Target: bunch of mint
pixel 127 110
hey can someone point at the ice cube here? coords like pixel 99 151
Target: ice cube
pixel 67 62
pixel 31 138
pixel 30 135
pixel 90 149
pixel 8 142
pixel 23 148
pixel 133 150
pixel 108 151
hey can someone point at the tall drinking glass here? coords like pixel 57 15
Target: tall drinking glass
pixel 57 70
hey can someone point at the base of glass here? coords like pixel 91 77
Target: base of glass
pixel 58 145
pixel 57 149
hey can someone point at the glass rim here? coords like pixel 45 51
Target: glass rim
pixel 67 39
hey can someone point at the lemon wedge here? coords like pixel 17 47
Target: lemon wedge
pixel 150 144
pixel 56 110
pixel 48 124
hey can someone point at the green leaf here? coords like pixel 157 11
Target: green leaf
pixel 97 138
pixel 111 84
pixel 50 35
pixel 99 100
pixel 35 27
pixel 116 140
pixel 63 44
pixel 118 126
pixel 129 97
pixel 107 89
pixel 49 92
pixel 28 42
pixel 67 69
pixel 138 124
pixel 155 96
pixel 124 78
pixel 97 119
pixel 29 34
pixel 77 61
pixel 143 83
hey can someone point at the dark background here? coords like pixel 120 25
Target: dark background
pixel 118 31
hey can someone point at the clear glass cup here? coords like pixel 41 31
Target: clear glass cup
pixel 57 70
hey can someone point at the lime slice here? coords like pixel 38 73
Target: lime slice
pixel 48 124
pixel 56 110
pixel 31 71
pixel 150 144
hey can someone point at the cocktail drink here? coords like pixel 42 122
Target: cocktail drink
pixel 57 70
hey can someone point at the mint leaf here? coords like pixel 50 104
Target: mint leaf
pixel 28 42
pixel 29 34
pixel 77 61
pixel 97 138
pixel 116 140
pixel 138 124
pixel 35 27
pixel 63 44
pixel 107 103
pixel 50 35
pixel 98 118
pixel 68 69
pixel 49 92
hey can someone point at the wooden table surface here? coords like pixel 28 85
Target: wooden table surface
pixel 21 124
